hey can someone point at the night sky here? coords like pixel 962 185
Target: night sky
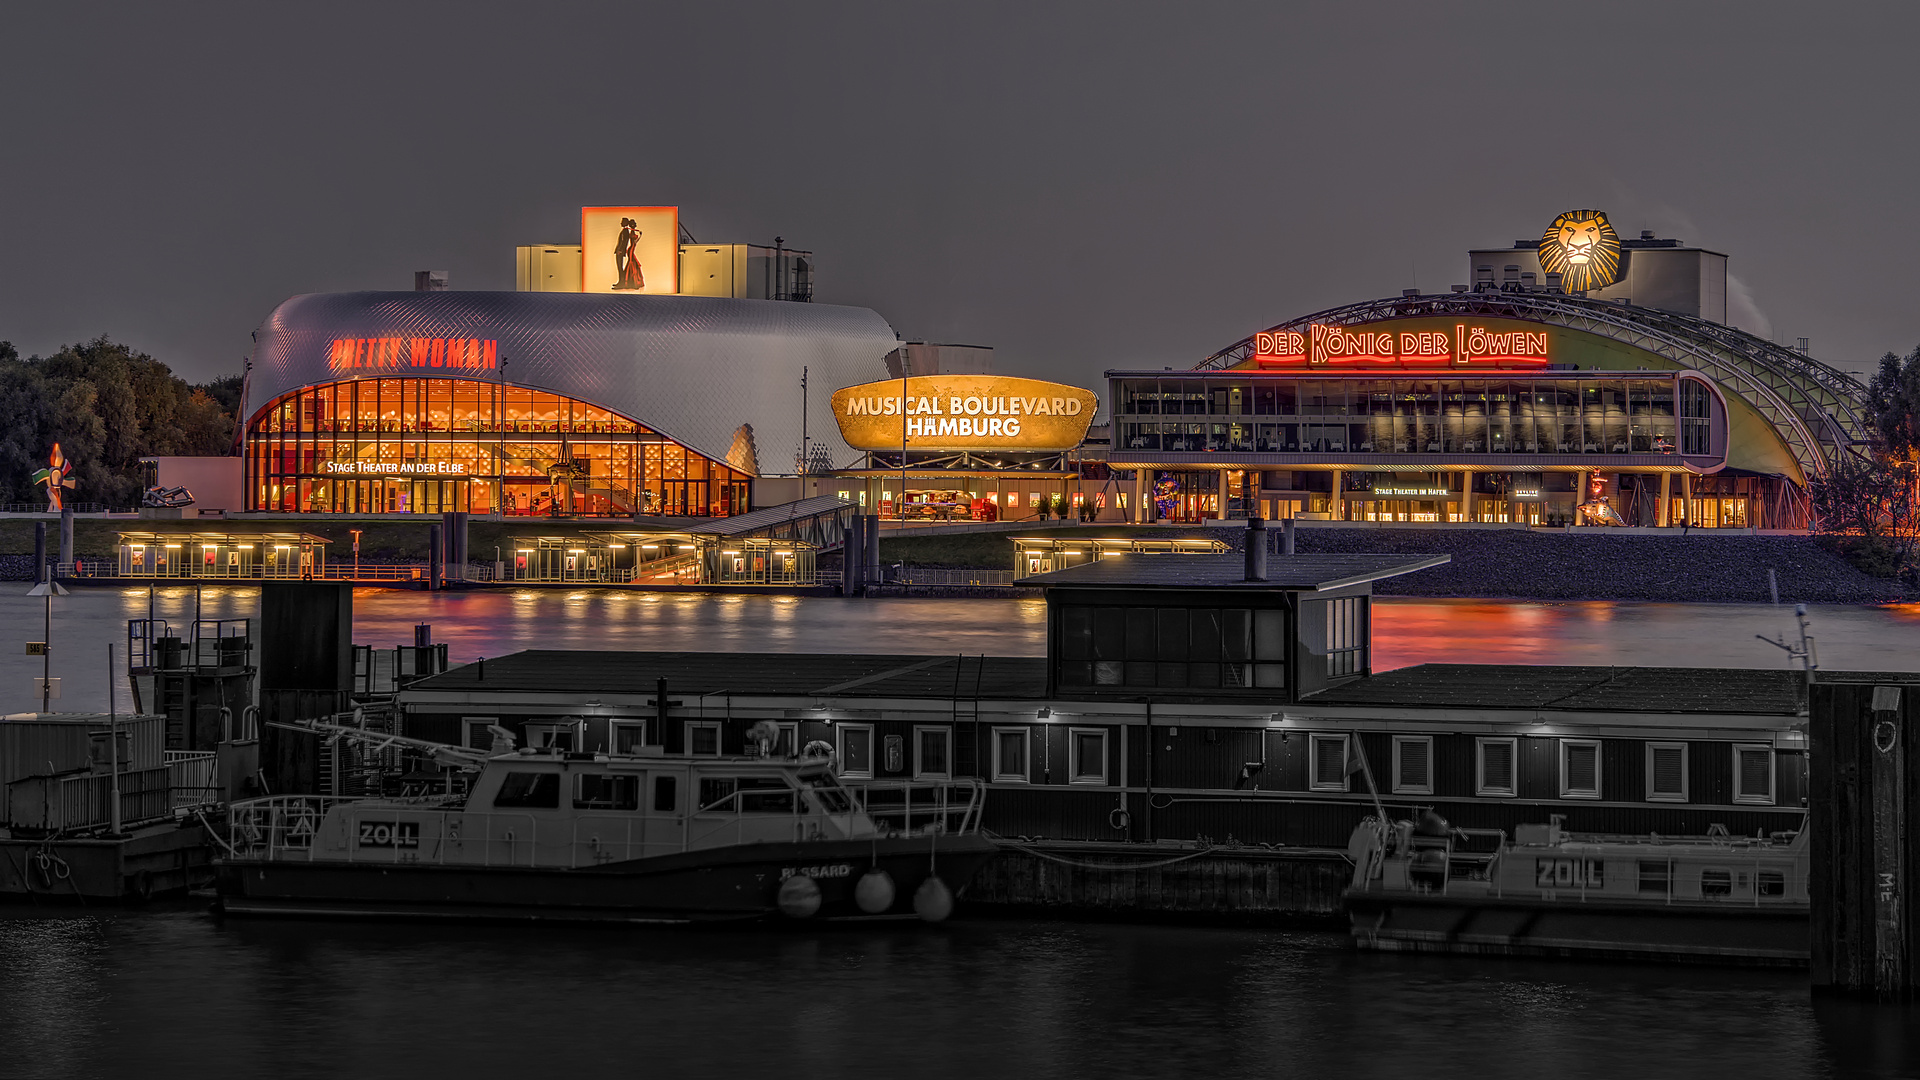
pixel 1079 186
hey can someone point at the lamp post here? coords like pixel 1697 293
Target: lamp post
pixel 47 589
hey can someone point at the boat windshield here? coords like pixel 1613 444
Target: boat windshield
pixel 828 793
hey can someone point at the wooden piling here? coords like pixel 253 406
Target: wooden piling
pixel 1865 833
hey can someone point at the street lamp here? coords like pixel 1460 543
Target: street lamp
pixel 48 589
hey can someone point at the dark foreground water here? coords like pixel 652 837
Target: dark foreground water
pixel 172 992
pixel 1406 631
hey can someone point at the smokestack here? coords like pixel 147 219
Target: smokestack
pixel 1256 549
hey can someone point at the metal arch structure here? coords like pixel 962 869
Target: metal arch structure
pixel 1815 409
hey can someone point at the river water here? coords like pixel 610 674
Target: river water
pixel 169 990
pixel 490 623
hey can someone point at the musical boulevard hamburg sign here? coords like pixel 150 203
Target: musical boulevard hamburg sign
pixel 1462 345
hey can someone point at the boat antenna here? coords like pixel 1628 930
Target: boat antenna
pixel 1806 651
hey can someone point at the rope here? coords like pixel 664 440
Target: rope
pixel 1083 865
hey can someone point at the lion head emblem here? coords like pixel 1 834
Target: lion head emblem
pixel 1583 249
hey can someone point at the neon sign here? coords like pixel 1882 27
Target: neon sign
pixel 361 354
pixel 402 468
pixel 1324 345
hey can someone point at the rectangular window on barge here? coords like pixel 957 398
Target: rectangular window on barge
pixel 1413 765
pixel 1088 753
pixel 1579 769
pixel 1666 772
pixel 1656 877
pixel 1495 767
pixel 1010 755
pixel 1329 762
pixel 1753 773
pixel 856 750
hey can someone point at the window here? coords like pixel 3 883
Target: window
pixel 1696 417
pixel 1346 636
pixel 563 735
pixel 1216 648
pixel 1753 773
pixel 933 753
pixel 476 731
pixel 1715 884
pixel 765 795
pixel 1773 883
pixel 1666 772
pixel 1413 765
pixel 703 739
pixel 716 795
pixel 1579 769
pixel 856 750
pixel 591 792
pixel 666 796
pixel 1328 762
pixel 1656 877
pixel 1086 755
pixel 529 791
pixel 629 736
pixel 1010 755
pixel 1495 767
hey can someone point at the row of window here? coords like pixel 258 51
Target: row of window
pixel 860 758
pixel 1496 774
pixel 1331 759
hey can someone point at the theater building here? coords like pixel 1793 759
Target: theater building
pixel 631 398
pixel 1579 379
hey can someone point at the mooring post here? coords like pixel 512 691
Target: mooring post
pixel 66 542
pixel 1889 865
pixel 433 556
pixel 1286 537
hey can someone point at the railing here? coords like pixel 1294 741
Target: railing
pixel 918 576
pixel 194 777
pixel 77 802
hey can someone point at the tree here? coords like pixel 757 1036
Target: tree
pixel 1893 406
pixel 108 406
pixel 1866 507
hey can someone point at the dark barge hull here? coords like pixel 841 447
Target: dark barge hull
pixel 1697 933
pixel 718 885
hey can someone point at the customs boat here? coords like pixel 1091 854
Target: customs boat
pixel 596 837
pixel 1427 887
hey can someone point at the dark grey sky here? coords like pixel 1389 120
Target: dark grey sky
pixel 1080 186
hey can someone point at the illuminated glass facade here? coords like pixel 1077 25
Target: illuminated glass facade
pixel 1348 416
pixel 434 445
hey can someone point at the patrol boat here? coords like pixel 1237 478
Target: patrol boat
pixel 596 837
pixel 1427 887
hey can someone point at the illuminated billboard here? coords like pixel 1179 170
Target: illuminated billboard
pixel 1411 343
pixel 630 249
pixel 1583 248
pixel 963 412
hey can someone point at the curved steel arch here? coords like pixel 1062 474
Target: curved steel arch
pixel 1812 407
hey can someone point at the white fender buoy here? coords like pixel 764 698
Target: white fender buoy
pixel 874 892
pixel 799 897
pixel 933 901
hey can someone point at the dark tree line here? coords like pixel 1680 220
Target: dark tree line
pixel 107 406
pixel 1869 507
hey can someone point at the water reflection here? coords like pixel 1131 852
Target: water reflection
pixel 1406 631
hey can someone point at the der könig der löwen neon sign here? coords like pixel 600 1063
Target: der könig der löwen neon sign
pixel 1337 346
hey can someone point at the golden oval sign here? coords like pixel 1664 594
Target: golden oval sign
pixel 964 412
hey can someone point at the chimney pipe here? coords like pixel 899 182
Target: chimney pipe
pixel 1256 549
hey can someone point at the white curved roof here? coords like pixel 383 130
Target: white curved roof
pixel 693 368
